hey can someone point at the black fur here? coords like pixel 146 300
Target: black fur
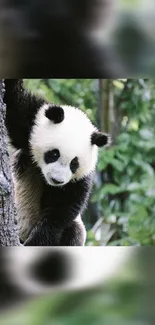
pixel 59 206
pixel 22 107
pixel 67 201
pixel 55 113
pixel 74 165
pixel 51 156
pixel 45 234
pixel 100 139
pixel 72 236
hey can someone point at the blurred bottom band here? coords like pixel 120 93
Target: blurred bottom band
pixel 99 285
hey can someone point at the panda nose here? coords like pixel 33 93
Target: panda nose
pixel 55 181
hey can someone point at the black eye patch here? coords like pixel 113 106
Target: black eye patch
pixel 51 156
pixel 74 164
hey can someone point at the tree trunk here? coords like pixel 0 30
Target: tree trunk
pixel 106 105
pixel 8 228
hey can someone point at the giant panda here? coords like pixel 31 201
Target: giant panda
pixel 53 161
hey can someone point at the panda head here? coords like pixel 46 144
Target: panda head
pixel 64 144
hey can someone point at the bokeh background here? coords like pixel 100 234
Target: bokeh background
pixel 121 209
pixel 120 287
pixel 80 38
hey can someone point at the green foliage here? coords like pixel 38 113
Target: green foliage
pixel 130 164
pixel 77 92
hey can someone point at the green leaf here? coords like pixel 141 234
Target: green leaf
pixel 134 187
pixel 146 134
pixel 117 164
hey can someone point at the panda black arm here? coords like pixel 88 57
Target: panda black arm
pixel 21 108
pixel 60 207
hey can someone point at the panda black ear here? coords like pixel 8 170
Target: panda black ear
pixel 100 139
pixel 55 113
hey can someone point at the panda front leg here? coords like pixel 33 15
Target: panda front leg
pixel 44 234
pixel 61 223
pixel 75 234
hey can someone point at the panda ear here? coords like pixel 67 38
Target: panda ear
pixel 55 113
pixel 100 139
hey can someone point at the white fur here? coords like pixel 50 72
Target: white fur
pixel 83 229
pixel 61 172
pixel 72 137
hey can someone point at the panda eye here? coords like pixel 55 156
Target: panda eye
pixel 74 164
pixel 51 156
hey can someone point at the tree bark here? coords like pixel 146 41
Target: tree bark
pixel 8 228
pixel 106 105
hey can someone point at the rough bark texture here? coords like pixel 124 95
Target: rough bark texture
pixel 8 229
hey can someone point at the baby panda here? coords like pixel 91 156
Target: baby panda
pixel 55 154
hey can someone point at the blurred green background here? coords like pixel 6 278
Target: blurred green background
pixel 122 299
pixel 121 210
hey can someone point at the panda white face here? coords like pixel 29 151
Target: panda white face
pixel 56 171
pixel 64 144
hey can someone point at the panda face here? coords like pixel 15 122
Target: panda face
pixel 63 142
pixel 56 171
